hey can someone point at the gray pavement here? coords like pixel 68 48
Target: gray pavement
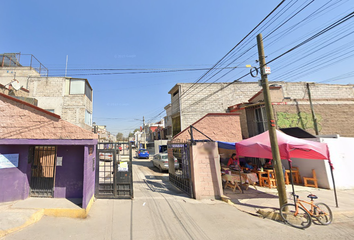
pixel 265 200
pixel 160 211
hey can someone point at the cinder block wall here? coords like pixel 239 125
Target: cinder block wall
pixel 212 98
pixel 206 173
pixel 333 117
pixel 206 98
pixel 50 93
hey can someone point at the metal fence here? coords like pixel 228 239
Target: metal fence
pixel 23 60
pixel 182 177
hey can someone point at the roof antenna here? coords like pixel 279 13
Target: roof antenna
pixel 66 65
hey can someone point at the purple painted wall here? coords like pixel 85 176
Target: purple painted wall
pixel 69 176
pixel 14 183
pixel 89 174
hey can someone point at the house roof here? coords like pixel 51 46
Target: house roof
pixel 21 120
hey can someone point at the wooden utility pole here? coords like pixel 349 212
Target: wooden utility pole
pixel 271 125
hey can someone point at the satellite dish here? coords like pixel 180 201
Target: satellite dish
pixel 16 85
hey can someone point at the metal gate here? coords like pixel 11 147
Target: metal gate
pixel 42 170
pixel 114 170
pixel 182 177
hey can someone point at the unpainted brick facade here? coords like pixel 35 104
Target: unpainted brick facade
pixel 217 126
pixel 195 102
pixel 52 94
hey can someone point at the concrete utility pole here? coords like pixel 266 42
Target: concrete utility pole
pixel 144 132
pixel 312 111
pixel 271 125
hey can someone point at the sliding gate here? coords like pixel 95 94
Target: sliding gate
pixel 114 170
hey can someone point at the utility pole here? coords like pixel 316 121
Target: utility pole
pixel 312 111
pixel 144 132
pixel 271 125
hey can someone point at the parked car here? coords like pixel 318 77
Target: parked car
pixel 142 153
pixel 160 161
pixel 106 156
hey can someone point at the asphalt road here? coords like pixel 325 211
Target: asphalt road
pixel 160 211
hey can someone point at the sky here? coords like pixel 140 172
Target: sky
pixel 157 35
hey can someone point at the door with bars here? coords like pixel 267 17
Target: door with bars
pixel 42 171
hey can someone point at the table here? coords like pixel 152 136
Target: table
pixel 233 180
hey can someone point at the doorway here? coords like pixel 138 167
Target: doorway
pixel 43 171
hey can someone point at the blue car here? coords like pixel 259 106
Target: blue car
pixel 142 153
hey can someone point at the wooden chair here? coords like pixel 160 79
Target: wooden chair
pixel 313 179
pixel 269 180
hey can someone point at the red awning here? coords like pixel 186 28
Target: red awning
pixel 289 147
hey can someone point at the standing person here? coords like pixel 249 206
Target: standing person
pixel 233 161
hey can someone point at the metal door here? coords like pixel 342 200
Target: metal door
pixel 114 170
pixel 42 171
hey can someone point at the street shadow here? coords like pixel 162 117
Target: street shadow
pixel 164 186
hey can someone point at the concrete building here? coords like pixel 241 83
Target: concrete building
pixel 168 123
pixel 190 102
pixel 333 106
pixel 44 156
pixel 70 98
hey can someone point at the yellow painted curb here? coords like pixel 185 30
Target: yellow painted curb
pixel 33 219
pixel 55 212
pixel 71 213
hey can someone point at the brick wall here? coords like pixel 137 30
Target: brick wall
pixel 207 98
pixel 205 168
pixel 212 98
pixel 333 117
pixel 218 127
pixel 7 74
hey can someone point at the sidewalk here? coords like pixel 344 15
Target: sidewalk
pixel 17 215
pixel 264 202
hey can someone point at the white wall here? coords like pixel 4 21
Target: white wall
pixel 342 156
pixel 305 168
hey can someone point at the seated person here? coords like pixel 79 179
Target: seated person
pixel 248 165
pixel 268 164
pixel 233 162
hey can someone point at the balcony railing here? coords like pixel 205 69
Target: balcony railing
pixel 23 60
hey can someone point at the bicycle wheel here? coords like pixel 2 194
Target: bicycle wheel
pixel 323 213
pixel 298 219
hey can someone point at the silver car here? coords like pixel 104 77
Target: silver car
pixel 160 161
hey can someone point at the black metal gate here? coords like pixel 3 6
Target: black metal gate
pixel 114 170
pixel 43 160
pixel 182 177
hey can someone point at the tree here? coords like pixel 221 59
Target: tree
pixel 120 136
pixel 131 135
pixel 136 130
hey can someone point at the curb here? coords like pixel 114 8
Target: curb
pixel 228 201
pixel 33 219
pixel 54 212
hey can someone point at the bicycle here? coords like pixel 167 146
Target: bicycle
pixel 297 215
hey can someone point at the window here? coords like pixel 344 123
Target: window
pixel 88 118
pixel 50 110
pixel 261 119
pixel 77 86
pixel 80 86
pixel 175 93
